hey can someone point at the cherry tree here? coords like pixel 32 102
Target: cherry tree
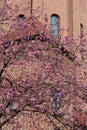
pixel 39 74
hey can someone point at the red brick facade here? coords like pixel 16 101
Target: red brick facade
pixel 72 17
pixel 72 12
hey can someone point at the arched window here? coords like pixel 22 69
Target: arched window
pixel 21 16
pixel 55 19
pixel 81 30
pixel 56 100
